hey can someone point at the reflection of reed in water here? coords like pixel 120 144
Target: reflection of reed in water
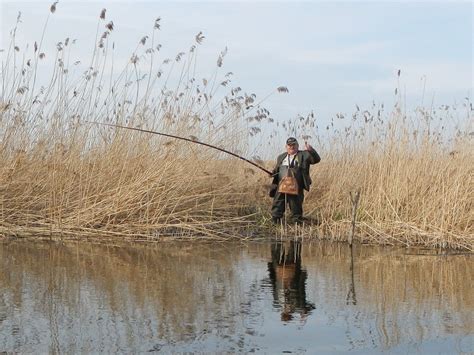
pixel 115 298
pixel 289 280
pixel 403 296
pixel 91 298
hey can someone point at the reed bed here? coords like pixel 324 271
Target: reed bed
pixel 62 175
pixel 412 192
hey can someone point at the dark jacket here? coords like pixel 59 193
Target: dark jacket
pixel 305 158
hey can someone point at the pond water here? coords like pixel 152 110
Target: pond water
pixel 267 297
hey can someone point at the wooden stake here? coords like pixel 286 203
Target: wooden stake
pixel 355 203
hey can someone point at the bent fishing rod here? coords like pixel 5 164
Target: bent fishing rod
pixel 184 139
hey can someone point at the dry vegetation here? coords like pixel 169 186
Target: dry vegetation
pixel 62 176
pixel 415 190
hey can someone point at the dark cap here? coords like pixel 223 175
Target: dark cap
pixel 291 141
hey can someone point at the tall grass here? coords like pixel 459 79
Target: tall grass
pixel 62 176
pixel 416 185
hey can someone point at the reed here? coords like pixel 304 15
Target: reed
pixel 63 177
pixel 414 190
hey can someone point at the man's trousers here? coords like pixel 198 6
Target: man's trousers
pixel 295 203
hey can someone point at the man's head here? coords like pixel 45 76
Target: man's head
pixel 291 145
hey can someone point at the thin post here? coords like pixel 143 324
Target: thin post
pixel 355 198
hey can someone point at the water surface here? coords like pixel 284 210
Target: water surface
pixel 233 297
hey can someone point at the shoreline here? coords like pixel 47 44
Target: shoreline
pixel 338 233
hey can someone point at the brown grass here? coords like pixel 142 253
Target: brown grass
pixel 60 176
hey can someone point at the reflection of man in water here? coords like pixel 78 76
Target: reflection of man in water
pixel 289 280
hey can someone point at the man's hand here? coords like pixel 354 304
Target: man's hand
pixel 307 146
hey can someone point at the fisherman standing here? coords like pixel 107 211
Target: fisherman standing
pixel 290 178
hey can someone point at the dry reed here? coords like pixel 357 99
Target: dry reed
pixel 62 177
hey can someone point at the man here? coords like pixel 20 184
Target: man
pixel 298 161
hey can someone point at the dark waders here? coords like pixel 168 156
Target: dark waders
pixel 295 203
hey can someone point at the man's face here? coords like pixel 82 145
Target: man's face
pixel 292 148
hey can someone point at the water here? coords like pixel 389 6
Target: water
pixel 233 297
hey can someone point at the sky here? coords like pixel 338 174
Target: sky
pixel 331 56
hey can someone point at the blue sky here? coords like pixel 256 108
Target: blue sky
pixel 330 55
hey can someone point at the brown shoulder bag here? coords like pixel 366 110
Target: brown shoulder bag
pixel 289 185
